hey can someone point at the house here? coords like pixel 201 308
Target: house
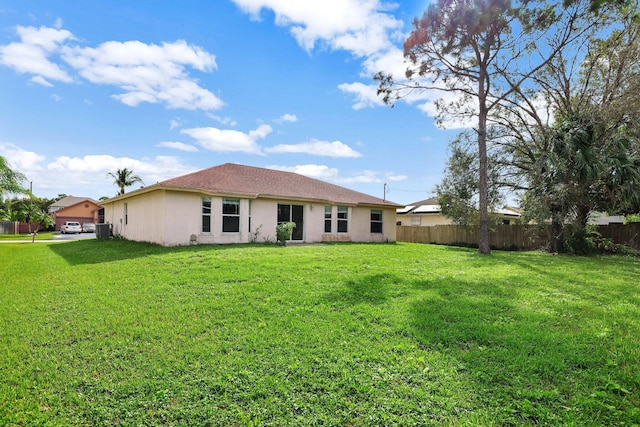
pixel 234 203
pixel 70 208
pixel 428 213
pixel 603 218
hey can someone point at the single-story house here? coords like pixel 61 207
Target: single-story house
pixel 70 208
pixel 603 218
pixel 427 212
pixel 234 203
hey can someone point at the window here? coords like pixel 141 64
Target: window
pixel 230 215
pixel 415 220
pixel 343 219
pixel 206 215
pixel 376 221
pixel 126 214
pixel 327 219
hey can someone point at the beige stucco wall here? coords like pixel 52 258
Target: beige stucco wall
pixel 426 220
pixel 170 218
pixel 429 220
pixel 145 218
pixel 361 225
pixel 81 210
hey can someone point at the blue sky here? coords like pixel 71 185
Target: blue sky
pixel 169 87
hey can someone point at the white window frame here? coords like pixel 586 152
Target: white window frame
pixel 377 221
pixel 342 219
pixel 228 202
pixel 206 213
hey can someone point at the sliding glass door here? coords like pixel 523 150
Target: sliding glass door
pixel 292 213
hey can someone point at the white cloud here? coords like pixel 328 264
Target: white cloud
pixel 148 72
pixel 21 160
pixel 364 28
pixel 327 173
pixel 144 72
pixel 448 121
pixel 365 95
pixel 180 146
pixel 174 123
pixel 31 54
pixel 227 140
pixel 41 81
pixel 359 26
pixel 372 177
pixel 91 163
pixel 364 177
pixel 316 148
pixel 397 178
pixel 287 118
pixel 227 121
pixel 87 175
pixel 261 132
pixel 389 61
pixel 314 171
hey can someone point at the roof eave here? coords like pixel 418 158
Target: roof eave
pixel 158 187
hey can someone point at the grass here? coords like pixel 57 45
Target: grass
pixel 42 235
pixel 122 333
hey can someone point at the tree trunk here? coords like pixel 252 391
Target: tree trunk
pixel 484 244
pixel 582 217
pixel 556 244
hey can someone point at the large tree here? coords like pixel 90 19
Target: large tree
pixel 458 190
pixel 580 153
pixel 483 51
pixel 124 178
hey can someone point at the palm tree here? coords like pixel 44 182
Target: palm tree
pixel 124 178
pixel 34 215
pixel 10 180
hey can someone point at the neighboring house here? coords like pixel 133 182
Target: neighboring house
pixel 233 203
pixel 603 218
pixel 427 212
pixel 70 208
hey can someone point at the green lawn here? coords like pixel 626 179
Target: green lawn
pixel 121 333
pixel 42 235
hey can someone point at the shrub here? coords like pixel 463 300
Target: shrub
pixel 283 232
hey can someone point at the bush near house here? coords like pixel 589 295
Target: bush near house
pixel 123 333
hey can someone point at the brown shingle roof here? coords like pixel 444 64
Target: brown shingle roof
pixel 72 200
pixel 252 181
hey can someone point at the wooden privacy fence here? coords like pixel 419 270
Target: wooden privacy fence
pixel 11 227
pixel 8 227
pixel 509 237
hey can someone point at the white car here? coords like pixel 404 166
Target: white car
pixel 88 227
pixel 71 227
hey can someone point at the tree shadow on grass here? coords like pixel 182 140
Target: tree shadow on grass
pixel 98 251
pixel 367 289
pixel 527 363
